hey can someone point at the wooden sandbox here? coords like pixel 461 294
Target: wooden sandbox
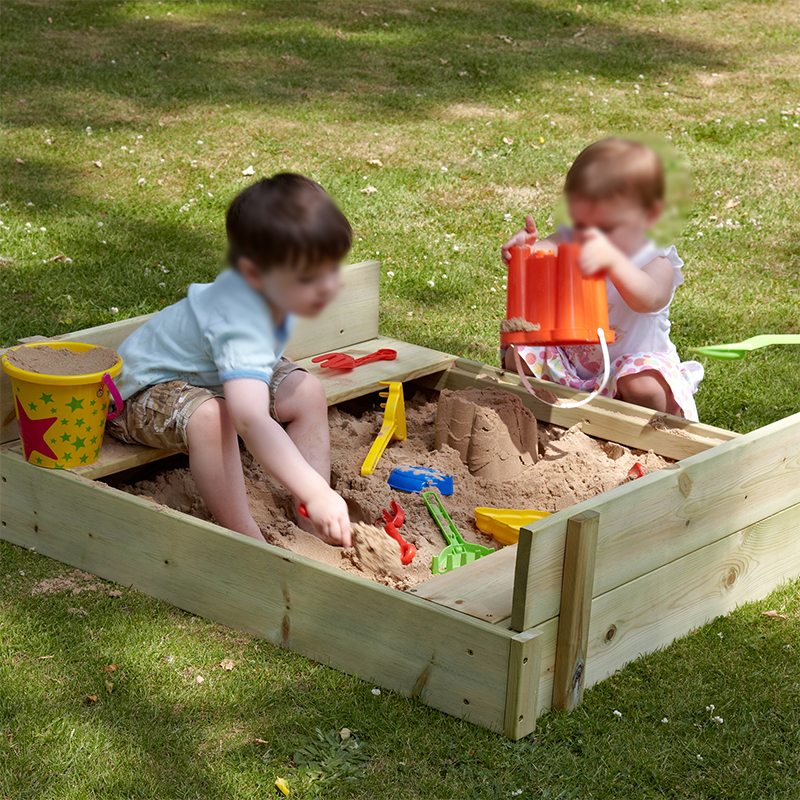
pixel 498 641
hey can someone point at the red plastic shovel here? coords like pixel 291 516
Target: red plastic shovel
pixel 344 361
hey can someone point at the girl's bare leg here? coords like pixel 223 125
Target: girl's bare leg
pixel 648 389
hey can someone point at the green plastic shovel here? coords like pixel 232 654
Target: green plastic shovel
pixel 458 552
pixel 738 349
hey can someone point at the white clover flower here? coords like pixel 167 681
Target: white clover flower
pixel 431 284
pixel 665 720
pixel 506 217
pixel 114 310
pixel 617 713
pixel 718 720
pixel 444 169
pixel 376 692
pixel 456 248
pixel 710 708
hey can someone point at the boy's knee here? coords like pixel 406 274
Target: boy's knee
pixel 210 420
pixel 300 393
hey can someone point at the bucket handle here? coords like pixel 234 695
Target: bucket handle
pixel 606 372
pixel 114 392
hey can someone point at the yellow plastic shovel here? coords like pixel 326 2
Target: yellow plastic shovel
pixel 394 425
pixel 504 523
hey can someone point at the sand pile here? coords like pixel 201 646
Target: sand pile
pixel 46 360
pixel 491 430
pixel 566 466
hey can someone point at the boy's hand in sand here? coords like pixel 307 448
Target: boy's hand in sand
pixel 328 513
pixel 527 236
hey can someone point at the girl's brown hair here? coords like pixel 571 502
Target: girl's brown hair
pixel 617 167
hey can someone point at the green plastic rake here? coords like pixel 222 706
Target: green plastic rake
pixel 458 552
pixel 738 349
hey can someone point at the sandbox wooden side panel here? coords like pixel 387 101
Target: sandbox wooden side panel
pixel 643 525
pixel 604 417
pixel 655 609
pixel 351 318
pixel 652 610
pixel 448 660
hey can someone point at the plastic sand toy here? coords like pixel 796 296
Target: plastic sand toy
pixel 415 479
pixel 503 524
pixel 550 302
pixel 394 425
pixel 738 349
pixel 458 552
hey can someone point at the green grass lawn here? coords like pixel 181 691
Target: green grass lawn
pixel 127 129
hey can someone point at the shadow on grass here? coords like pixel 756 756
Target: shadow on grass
pixel 121 260
pixel 363 60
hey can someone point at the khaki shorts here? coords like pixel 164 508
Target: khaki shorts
pixel 158 415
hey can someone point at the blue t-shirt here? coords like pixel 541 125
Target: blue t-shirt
pixel 219 331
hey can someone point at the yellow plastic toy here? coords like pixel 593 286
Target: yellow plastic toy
pixel 394 425
pixel 504 523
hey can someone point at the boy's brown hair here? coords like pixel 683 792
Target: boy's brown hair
pixel 286 220
pixel 617 167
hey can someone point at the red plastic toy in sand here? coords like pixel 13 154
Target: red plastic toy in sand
pixel 552 301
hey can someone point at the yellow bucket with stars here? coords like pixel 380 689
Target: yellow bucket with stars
pixel 62 417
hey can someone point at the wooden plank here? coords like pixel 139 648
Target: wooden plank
pixel 649 612
pixel 412 362
pixel 352 317
pixel 522 695
pixel 576 609
pixel 449 661
pixel 646 523
pixel 604 417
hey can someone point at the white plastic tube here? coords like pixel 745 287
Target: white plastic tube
pixel 606 373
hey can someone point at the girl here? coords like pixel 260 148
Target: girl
pixel 615 193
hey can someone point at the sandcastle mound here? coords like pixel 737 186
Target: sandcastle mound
pixel 491 430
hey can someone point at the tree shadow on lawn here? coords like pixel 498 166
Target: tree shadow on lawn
pixel 358 61
pixel 59 296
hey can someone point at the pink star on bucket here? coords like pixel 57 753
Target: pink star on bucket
pixel 32 432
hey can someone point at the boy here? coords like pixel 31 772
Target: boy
pixel 210 368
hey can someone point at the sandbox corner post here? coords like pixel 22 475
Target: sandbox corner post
pixel 577 585
pixel 522 685
pixel 522 564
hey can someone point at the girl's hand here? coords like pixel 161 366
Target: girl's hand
pixel 597 253
pixel 527 236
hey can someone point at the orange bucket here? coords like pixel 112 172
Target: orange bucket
pixel 551 301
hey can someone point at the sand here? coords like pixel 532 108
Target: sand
pixel 571 467
pixel 46 360
pixel 491 430
pixel 518 324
